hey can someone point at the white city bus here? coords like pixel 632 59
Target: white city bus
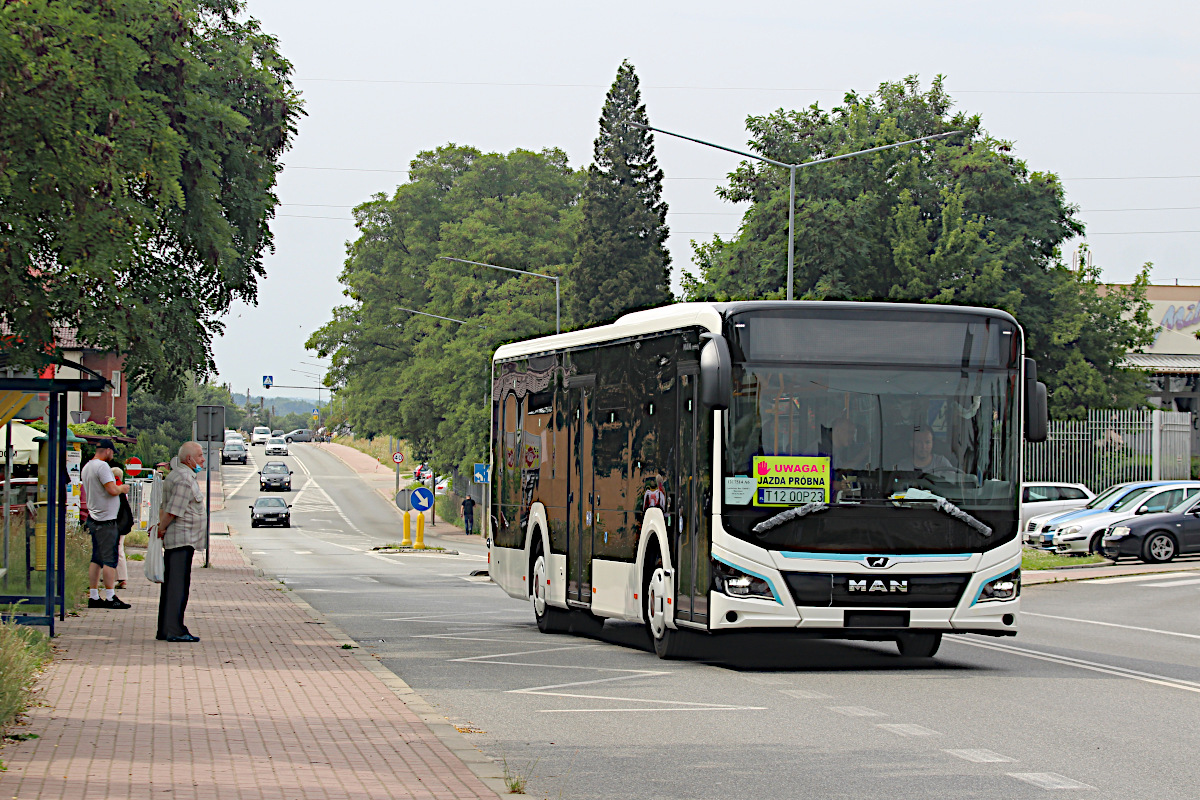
pixel 841 470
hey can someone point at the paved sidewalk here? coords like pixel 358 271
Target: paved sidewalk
pixel 1032 577
pixel 267 705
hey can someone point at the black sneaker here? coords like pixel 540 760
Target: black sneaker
pixel 117 602
pixel 96 602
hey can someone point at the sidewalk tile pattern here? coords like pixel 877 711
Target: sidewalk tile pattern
pixel 267 705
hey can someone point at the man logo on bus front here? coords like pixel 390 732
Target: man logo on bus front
pixel 878 562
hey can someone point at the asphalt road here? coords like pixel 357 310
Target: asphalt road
pixel 1100 693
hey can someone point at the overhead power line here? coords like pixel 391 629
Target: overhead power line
pixel 543 85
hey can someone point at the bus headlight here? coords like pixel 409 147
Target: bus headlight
pixel 1005 587
pixel 735 583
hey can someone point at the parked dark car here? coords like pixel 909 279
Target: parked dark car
pixel 275 475
pixel 233 450
pixel 277 433
pixel 298 435
pixel 270 511
pixel 1156 538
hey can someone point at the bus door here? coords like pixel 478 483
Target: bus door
pixel 581 512
pixel 685 494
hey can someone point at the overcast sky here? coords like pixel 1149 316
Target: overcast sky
pixel 1103 93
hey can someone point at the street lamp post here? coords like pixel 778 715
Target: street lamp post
pixel 792 169
pixel 557 298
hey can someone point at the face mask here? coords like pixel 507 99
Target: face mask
pixel 197 469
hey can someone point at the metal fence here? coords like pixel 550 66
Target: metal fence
pixel 1114 447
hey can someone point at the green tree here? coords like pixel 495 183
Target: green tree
pixel 959 220
pixel 621 261
pixel 161 425
pixel 139 144
pixel 426 380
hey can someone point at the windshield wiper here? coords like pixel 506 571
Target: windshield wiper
pixel 789 515
pixel 945 506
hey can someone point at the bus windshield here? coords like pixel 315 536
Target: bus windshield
pixel 880 458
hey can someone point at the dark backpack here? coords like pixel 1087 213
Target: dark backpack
pixel 124 516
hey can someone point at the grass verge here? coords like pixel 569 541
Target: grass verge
pixel 79 553
pixel 377 448
pixel 1041 559
pixel 23 652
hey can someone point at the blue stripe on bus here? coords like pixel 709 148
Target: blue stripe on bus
pixel 739 568
pixel 861 556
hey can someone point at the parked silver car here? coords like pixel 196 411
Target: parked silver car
pixel 1084 535
pixel 298 435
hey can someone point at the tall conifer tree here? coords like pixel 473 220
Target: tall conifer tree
pixel 621 262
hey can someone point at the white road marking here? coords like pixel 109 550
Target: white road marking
pixel 903 729
pixel 856 711
pixel 1158 576
pixel 365 579
pixel 804 694
pixel 981 756
pixel 1189 582
pixel 303 552
pixel 1113 625
pixel 1049 780
pixel 1108 669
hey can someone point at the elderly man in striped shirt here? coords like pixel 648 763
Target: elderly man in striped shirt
pixel 181 527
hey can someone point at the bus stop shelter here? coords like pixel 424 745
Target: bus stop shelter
pixel 16 389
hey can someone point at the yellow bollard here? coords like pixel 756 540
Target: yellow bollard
pixel 420 543
pixel 407 540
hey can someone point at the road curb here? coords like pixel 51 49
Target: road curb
pixel 485 768
pixel 1131 571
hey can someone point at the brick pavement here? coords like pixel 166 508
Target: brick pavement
pixel 267 705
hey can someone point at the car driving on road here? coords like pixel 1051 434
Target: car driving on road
pixel 275 475
pixel 1156 538
pixel 276 446
pixel 260 435
pixel 298 435
pixel 270 511
pixel 233 451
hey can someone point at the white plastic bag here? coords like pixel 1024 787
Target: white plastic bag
pixel 154 564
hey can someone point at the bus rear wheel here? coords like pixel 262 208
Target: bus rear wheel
pixel 668 643
pixel 919 645
pixel 549 619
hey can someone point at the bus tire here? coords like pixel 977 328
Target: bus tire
pixel 919 645
pixel 549 619
pixel 668 643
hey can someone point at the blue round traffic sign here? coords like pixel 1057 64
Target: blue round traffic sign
pixel 421 499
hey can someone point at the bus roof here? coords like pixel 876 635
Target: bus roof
pixel 711 315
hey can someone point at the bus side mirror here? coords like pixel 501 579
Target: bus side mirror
pixel 716 372
pixel 1037 405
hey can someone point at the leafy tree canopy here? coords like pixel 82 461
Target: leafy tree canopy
pixel 139 144
pixel 960 220
pixel 621 261
pixel 425 379
pixel 161 425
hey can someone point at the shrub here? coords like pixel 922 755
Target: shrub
pixel 23 651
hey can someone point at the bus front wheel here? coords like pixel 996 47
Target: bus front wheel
pixel 668 643
pixel 919 645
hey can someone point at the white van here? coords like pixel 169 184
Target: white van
pixel 260 435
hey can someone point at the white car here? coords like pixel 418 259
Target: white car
pixel 1046 497
pixel 260 435
pixel 276 446
pixel 1083 536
